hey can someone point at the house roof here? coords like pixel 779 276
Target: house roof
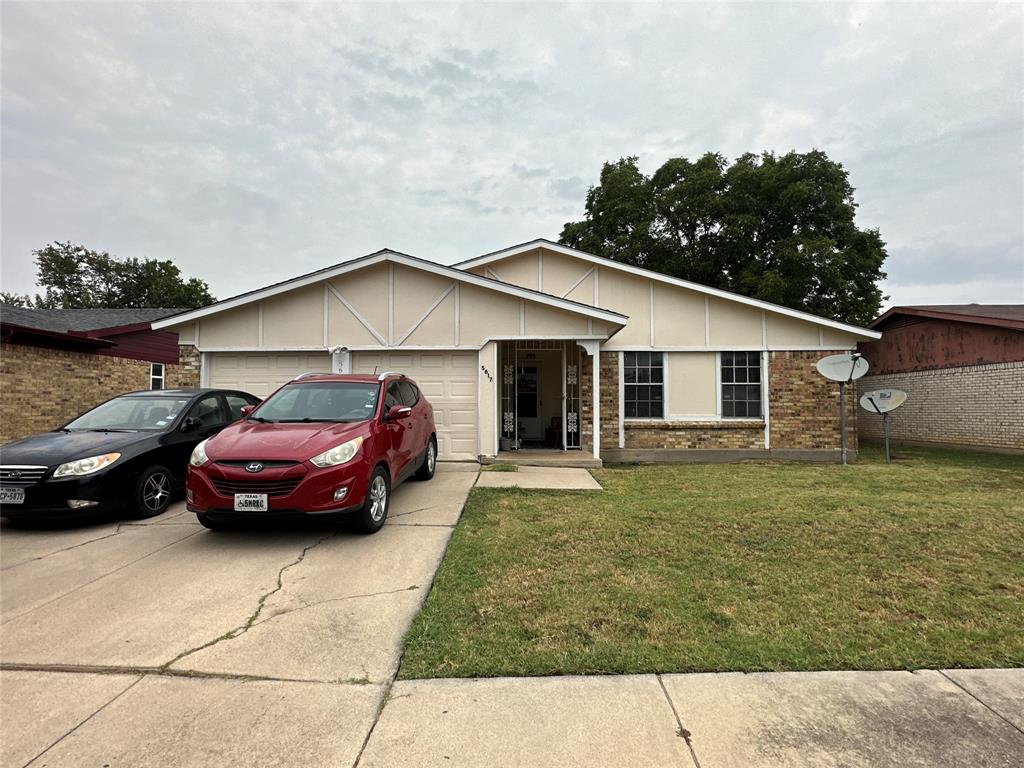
pixel 80 320
pixel 1001 315
pixel 515 250
pixel 395 257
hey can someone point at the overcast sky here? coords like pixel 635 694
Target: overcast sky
pixel 252 143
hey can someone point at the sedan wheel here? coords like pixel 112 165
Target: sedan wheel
pixel 153 493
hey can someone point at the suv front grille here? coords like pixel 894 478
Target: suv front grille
pixel 20 475
pixel 269 487
pixel 267 464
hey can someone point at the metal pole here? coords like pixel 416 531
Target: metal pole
pixel 885 430
pixel 842 419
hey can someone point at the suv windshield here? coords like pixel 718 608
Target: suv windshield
pixel 151 414
pixel 320 401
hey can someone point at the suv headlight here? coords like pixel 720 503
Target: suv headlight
pixel 199 454
pixel 86 466
pixel 340 454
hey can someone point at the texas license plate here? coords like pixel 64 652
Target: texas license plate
pixel 12 495
pixel 250 502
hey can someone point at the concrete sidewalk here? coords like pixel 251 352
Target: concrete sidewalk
pixel 929 718
pixel 553 478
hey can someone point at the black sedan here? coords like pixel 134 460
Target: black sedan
pixel 126 455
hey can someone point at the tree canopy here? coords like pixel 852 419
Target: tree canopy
pixel 776 228
pixel 74 276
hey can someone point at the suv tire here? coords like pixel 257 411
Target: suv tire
pixel 370 518
pixel 429 465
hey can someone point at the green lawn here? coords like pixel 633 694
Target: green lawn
pixel 736 567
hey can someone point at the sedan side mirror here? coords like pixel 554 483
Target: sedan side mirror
pixel 247 409
pixel 399 412
pixel 190 424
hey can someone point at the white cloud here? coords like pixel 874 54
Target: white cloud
pixel 253 142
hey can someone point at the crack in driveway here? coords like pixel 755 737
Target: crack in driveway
pixel 306 605
pixel 68 548
pixel 250 620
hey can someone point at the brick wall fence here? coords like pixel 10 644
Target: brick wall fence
pixel 980 405
pixel 40 389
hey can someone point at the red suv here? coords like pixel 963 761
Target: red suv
pixel 323 444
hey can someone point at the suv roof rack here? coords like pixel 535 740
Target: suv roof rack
pixel 390 373
pixel 312 373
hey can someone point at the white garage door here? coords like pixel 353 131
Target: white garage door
pixel 262 372
pixel 448 379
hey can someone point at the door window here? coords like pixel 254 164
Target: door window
pixel 235 405
pixel 393 396
pixel 208 412
pixel 410 395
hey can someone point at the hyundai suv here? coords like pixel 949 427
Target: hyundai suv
pixel 322 444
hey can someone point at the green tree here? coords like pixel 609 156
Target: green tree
pixel 75 276
pixel 780 229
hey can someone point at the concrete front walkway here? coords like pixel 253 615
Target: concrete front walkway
pixel 553 478
pixel 159 643
pixel 799 719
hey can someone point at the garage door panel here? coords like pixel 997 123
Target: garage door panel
pixel 260 372
pixel 448 380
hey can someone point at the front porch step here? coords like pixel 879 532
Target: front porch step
pixel 533 457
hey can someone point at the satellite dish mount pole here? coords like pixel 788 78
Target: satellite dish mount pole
pixel 842 420
pixel 842 406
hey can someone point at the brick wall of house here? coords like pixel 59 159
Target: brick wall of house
pixel 803 406
pixel 979 405
pixel 803 413
pixel 745 434
pixel 40 389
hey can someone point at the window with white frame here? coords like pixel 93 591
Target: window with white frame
pixel 643 385
pixel 741 385
pixel 156 375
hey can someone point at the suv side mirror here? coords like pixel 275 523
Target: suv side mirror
pixel 247 409
pixel 190 424
pixel 396 412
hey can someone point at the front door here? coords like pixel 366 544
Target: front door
pixel 528 414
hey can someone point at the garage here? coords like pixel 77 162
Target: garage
pixel 260 372
pixel 448 379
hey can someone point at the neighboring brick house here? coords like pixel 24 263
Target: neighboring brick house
pixel 507 347
pixel 962 367
pixel 57 363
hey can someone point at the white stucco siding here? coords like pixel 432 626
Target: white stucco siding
pixel 232 329
pixel 691 384
pixel 294 319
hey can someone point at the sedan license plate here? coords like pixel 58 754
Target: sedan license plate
pixel 250 502
pixel 12 495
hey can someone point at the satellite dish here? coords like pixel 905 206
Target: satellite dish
pixel 842 368
pixel 883 400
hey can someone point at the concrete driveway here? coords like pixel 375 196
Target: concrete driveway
pixel 160 643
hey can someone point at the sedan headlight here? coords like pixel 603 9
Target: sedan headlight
pixel 199 454
pixel 340 454
pixel 86 466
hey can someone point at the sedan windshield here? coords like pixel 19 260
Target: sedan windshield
pixel 320 401
pixel 150 414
